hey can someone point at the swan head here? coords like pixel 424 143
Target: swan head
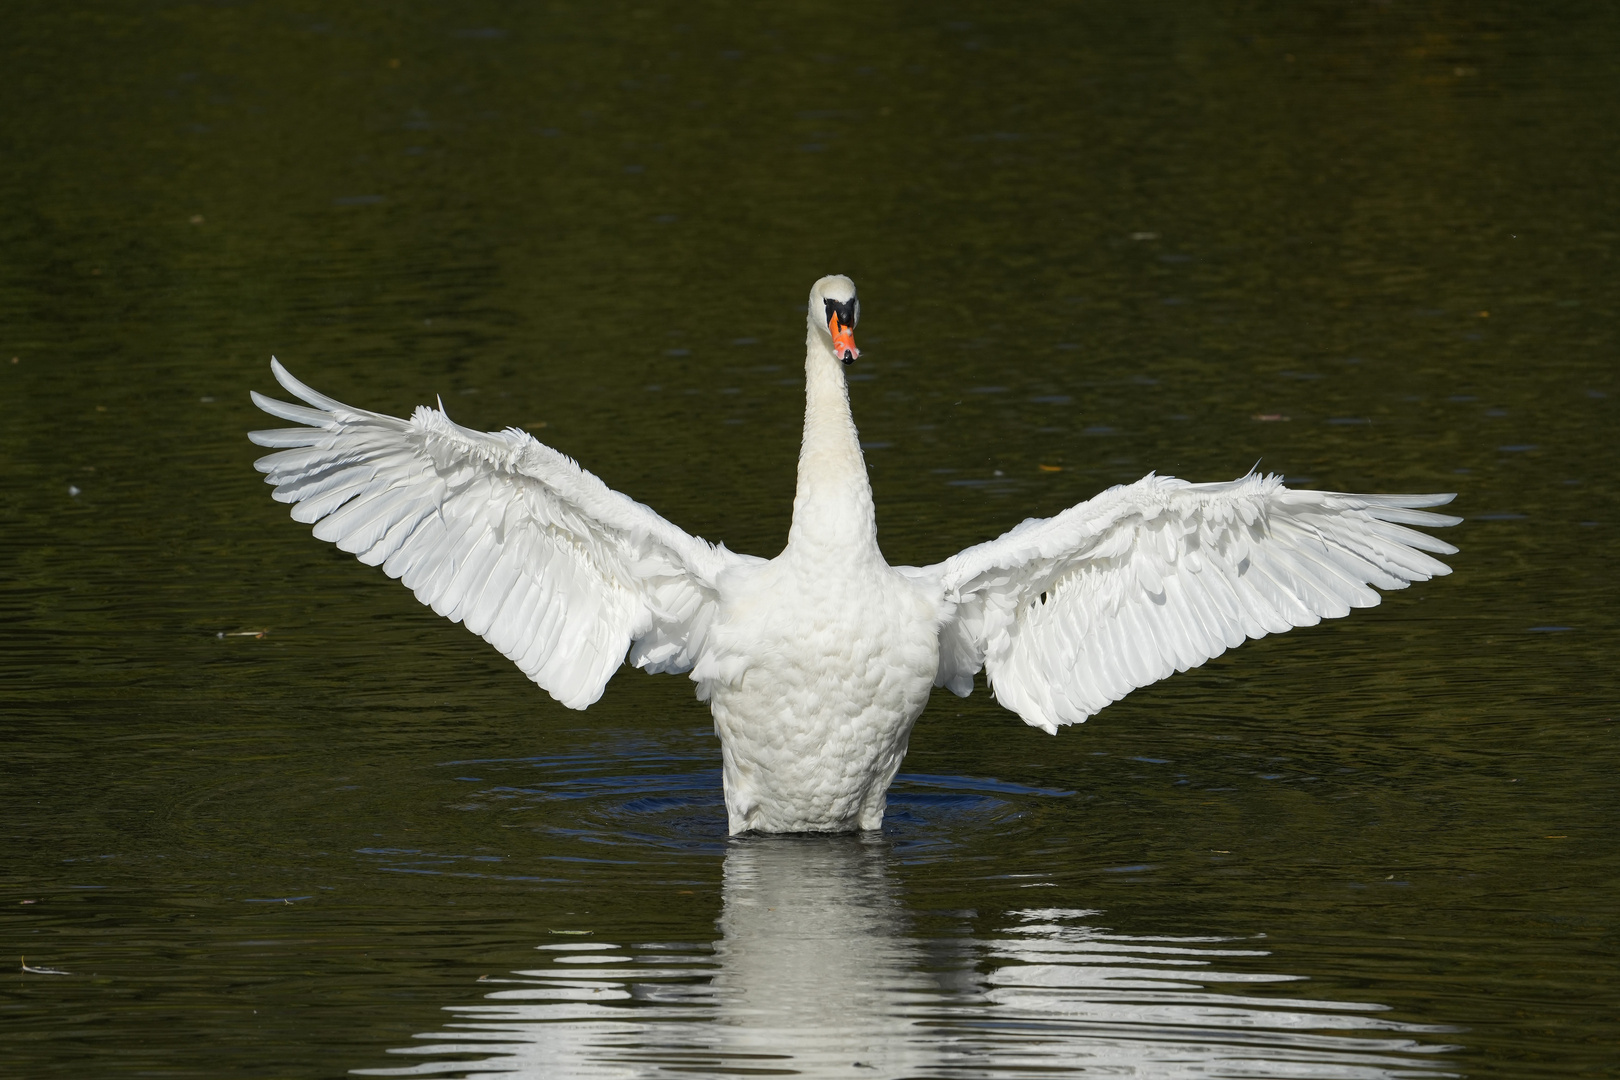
pixel 834 311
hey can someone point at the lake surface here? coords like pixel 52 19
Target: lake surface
pixel 264 815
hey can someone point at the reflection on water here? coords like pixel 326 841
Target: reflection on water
pixel 815 973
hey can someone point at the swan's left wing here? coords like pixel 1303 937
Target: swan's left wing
pixel 502 533
pixel 1069 613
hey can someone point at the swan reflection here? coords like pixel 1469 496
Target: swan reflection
pixel 816 972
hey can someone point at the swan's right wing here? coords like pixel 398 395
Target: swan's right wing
pixel 501 533
pixel 1069 613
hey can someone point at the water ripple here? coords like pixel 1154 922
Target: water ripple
pixel 816 971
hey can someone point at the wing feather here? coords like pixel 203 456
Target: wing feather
pixel 1069 613
pixel 499 532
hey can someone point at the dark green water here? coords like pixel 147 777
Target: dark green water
pixel 1104 237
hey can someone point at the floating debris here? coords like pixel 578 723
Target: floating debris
pixel 574 933
pixel 1270 417
pixel 243 633
pixel 41 970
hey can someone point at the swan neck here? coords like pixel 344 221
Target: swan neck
pixel 832 506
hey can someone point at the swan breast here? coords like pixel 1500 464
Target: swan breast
pixel 815 679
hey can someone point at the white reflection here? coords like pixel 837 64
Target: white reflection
pixel 816 973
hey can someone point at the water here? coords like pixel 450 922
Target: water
pixel 818 971
pixel 275 819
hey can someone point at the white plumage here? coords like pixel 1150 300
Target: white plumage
pixel 817 663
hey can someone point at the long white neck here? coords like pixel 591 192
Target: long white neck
pixel 832 507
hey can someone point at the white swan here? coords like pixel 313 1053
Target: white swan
pixel 817 663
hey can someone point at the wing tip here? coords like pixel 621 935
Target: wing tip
pixel 287 381
pixel 264 403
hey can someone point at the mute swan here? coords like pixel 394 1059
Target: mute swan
pixel 817 663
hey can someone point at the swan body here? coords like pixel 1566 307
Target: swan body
pixel 815 675
pixel 817 663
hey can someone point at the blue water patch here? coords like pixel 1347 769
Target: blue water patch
pixel 978 783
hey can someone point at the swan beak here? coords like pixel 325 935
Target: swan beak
pixel 843 340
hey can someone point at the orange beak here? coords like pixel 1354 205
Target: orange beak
pixel 843 340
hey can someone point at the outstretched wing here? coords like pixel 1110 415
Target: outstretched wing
pixel 1069 613
pixel 501 533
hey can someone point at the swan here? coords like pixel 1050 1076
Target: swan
pixel 817 663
